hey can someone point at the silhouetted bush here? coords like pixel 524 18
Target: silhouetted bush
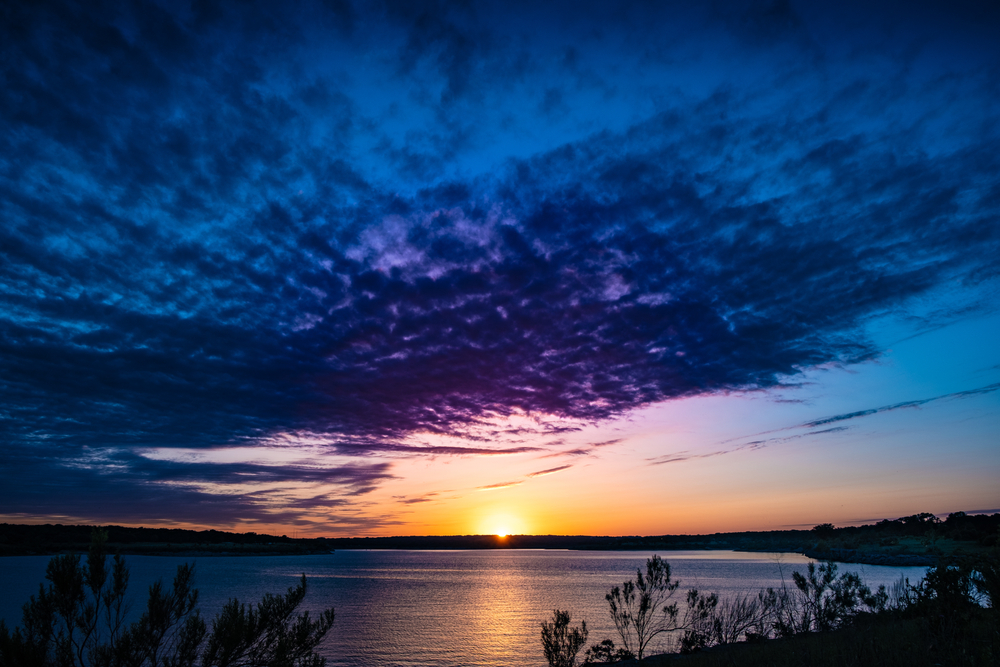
pixel 699 621
pixel 950 604
pixel 827 601
pixel 80 620
pixel 743 617
pixel 641 610
pixel 560 643
pixel 606 652
pixel 986 579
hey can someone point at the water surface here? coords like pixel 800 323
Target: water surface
pixel 448 608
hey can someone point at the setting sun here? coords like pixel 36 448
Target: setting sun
pixel 502 525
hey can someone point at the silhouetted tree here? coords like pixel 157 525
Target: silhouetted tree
pixel 641 609
pixel 79 620
pixel 699 621
pixel 561 644
pixel 824 529
pixel 828 600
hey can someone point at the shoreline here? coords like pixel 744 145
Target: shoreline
pixel 186 552
pixel 918 540
pixel 872 558
pixel 852 556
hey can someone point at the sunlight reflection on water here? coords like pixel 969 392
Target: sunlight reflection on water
pixel 451 608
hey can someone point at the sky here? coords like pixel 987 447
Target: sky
pixel 418 268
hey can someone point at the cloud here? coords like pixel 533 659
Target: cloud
pixel 550 471
pixel 126 485
pixel 496 487
pixel 816 423
pixel 530 475
pixel 370 447
pixel 900 406
pixel 425 498
pixel 635 284
pixel 867 413
pixel 587 450
pixel 751 445
pixel 687 456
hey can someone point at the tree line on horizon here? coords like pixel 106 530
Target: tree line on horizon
pixel 979 529
pixel 959 526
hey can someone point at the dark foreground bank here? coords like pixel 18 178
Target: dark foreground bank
pixel 875 642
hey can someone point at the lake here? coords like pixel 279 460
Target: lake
pixel 447 608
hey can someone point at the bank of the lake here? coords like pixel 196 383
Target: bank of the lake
pixel 51 539
pixel 917 540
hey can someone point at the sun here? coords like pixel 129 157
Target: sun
pixel 502 523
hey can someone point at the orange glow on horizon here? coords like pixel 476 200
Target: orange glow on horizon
pixel 674 468
pixel 502 522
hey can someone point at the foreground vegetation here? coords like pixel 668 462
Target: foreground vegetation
pixel 81 619
pixel 948 618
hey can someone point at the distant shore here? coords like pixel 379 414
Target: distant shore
pixel 52 539
pixel 918 540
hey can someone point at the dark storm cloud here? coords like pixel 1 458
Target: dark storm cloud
pixel 208 241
